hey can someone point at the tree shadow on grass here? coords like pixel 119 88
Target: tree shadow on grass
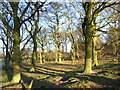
pixel 100 80
pixel 26 82
pixel 40 67
pixel 107 66
pixel 66 75
pixel 37 83
pixel 86 80
pixel 54 75
pixel 107 82
pixel 61 64
pixel 54 72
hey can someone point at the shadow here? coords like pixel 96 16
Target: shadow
pixel 9 72
pixel 45 71
pixel 60 64
pixel 54 70
pixel 50 69
pixel 39 67
pixel 71 82
pixel 100 80
pixel 56 64
pixel 63 77
pixel 53 73
pixel 25 69
pixel 106 82
pixel 107 66
pixel 37 83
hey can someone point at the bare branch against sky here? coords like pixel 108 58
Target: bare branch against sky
pixel 60 0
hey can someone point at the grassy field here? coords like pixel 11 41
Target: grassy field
pixel 67 75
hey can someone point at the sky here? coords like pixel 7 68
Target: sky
pixel 69 45
pixel 1 44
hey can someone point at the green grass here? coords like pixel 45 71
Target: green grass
pixel 66 75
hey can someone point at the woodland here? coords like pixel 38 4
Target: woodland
pixel 59 44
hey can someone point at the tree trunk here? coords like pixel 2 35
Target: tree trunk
pixel 16 57
pixel 16 46
pixel 77 51
pixel 116 44
pixel 34 37
pixel 56 59
pixel 42 56
pixel 59 55
pixel 33 61
pixel 7 59
pixel 88 33
pixel 88 54
pixel 66 47
pixel 59 52
pixel 94 53
pixel 73 53
pixel 88 38
pixel 34 54
pixel 7 56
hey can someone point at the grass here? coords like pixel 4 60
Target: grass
pixel 66 75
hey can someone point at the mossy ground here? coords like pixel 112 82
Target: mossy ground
pixel 67 75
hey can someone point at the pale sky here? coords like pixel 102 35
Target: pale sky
pixel 1 44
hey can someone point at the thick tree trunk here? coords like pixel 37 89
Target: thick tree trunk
pixel 16 46
pixel 88 33
pixel 88 55
pixel 94 53
pixel 94 44
pixel 16 57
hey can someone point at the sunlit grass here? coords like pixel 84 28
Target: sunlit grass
pixel 66 75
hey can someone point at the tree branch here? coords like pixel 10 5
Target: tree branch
pixel 33 13
pixel 108 44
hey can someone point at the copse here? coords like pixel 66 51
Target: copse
pixel 16 13
pixel 81 24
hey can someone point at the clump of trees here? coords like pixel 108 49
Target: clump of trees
pixel 50 27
